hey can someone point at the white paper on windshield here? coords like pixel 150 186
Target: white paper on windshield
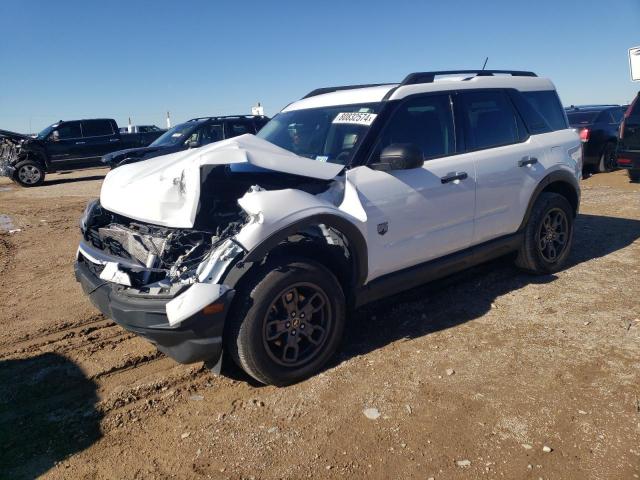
pixel 355 118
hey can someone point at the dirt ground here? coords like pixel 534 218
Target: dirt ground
pixel 471 376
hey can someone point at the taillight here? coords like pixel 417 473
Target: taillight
pixel 624 161
pixel 584 135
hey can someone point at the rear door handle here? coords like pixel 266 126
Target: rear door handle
pixel 453 176
pixel 526 161
pixel 114 140
pixel 80 143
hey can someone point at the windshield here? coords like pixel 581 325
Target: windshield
pixel 174 136
pixel 45 133
pixel 327 134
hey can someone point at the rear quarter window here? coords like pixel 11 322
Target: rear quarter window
pixel 96 128
pixel 547 104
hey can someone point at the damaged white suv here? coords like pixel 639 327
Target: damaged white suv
pixel 260 245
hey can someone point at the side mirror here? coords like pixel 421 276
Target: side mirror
pixel 399 156
pixel 193 144
pixel 55 136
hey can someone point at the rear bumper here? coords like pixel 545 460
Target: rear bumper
pixel 629 159
pixel 195 339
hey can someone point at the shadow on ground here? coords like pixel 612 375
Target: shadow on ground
pixel 59 181
pixel 468 295
pixel 464 296
pixel 47 412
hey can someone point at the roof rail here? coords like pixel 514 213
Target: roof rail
pixel 320 91
pixel 221 117
pixel 429 77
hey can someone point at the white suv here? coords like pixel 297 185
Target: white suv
pixel 261 244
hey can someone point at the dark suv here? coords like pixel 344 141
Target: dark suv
pixel 191 134
pixel 629 142
pixel 598 126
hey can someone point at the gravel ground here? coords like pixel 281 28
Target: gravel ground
pixel 489 374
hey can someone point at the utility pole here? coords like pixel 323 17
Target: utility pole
pixel 168 120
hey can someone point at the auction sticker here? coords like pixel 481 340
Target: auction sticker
pixel 355 118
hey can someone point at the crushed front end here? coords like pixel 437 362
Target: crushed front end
pixel 9 152
pixel 160 283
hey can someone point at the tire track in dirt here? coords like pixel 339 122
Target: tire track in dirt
pixel 5 250
pixel 146 389
pixel 70 338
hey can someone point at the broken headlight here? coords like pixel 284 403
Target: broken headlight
pixel 88 214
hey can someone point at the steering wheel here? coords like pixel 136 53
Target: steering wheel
pixel 343 156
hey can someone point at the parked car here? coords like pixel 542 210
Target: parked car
pixel 65 145
pixel 261 244
pixel 598 126
pixel 191 134
pixel 142 129
pixel 628 155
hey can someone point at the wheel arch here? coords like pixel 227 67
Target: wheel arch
pixel 351 269
pixel 561 182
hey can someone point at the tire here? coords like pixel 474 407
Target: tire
pixel 266 334
pixel 634 176
pixel 543 249
pixel 607 162
pixel 29 173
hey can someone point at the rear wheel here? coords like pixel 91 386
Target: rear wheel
pixel 547 236
pixel 287 322
pixel 29 173
pixel 634 175
pixel 608 159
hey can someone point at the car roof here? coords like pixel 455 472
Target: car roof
pixel 421 82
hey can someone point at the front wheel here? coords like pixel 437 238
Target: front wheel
pixel 29 173
pixel 547 236
pixel 287 321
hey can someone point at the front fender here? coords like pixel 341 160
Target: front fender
pixel 276 215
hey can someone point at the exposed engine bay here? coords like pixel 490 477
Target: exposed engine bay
pixel 156 259
pixel 9 150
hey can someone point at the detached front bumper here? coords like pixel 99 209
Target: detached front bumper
pixel 195 339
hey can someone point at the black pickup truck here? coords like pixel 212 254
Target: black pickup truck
pixel 65 145
pixel 193 133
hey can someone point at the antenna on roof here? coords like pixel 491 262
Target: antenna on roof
pixel 485 62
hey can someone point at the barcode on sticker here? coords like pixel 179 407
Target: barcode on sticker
pixel 355 118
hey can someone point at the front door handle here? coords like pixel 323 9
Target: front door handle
pixel 453 176
pixel 80 143
pixel 526 161
pixel 114 140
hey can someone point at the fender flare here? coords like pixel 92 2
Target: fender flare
pixel 357 247
pixel 557 176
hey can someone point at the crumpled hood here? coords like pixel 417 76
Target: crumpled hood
pixel 13 135
pixel 165 190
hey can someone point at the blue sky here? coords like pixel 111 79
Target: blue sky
pixel 82 59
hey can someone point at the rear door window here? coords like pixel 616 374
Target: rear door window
pixel 69 130
pixel 96 128
pixel 490 120
pixel 210 133
pixel 238 127
pixel 548 105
